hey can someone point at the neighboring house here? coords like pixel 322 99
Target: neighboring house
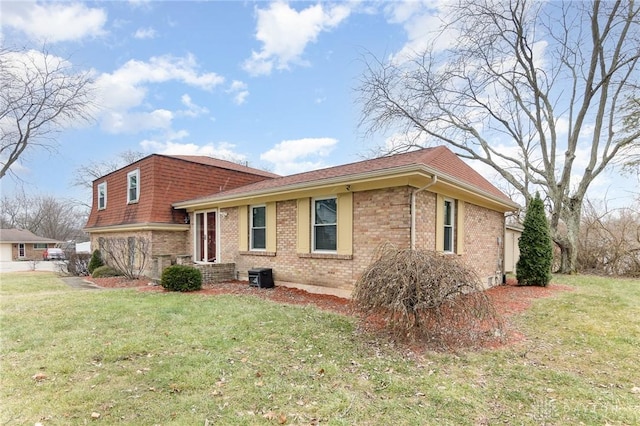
pixel 319 230
pixel 136 200
pixel 20 244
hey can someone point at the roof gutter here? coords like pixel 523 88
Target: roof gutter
pixel 434 180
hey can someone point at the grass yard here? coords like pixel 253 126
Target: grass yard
pixel 150 358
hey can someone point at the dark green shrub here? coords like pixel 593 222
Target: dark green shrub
pixel 105 271
pixel 181 278
pixel 536 250
pixel 96 261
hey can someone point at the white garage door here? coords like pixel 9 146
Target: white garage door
pixel 5 253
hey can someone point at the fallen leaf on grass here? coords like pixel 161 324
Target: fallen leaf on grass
pixel 39 377
pixel 271 415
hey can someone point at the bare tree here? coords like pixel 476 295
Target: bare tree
pixel 130 256
pixel 41 94
pixel 610 239
pixel 43 215
pixel 631 120
pixel 524 87
pixel 85 175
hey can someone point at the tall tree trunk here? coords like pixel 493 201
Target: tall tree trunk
pixel 567 239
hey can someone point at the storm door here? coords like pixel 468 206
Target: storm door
pixel 205 234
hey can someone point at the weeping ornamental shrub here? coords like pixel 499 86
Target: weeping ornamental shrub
pixel 426 296
pixel 181 278
pixel 536 250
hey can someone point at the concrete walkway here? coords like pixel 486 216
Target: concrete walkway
pixel 80 283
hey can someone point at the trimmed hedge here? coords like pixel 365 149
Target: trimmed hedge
pixel 105 271
pixel 181 278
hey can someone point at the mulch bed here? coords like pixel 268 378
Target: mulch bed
pixel 508 300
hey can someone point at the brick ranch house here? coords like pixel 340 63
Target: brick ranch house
pixel 319 230
pixel 136 201
pixel 20 244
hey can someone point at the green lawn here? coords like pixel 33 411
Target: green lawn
pixel 147 358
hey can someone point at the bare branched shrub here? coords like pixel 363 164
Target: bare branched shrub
pixel 33 264
pixel 78 264
pixel 609 241
pixel 426 296
pixel 130 256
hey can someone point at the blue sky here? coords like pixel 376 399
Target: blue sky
pixel 271 83
pixel 268 83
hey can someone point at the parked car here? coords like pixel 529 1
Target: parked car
pixel 53 254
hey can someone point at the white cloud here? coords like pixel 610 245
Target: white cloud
pixel 135 122
pixel 126 88
pixel 292 156
pixel 145 33
pixel 53 22
pixel 239 91
pixel 285 33
pixel 222 150
pixel 192 110
pixel 422 21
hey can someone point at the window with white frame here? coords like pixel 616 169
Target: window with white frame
pixel 102 196
pixel 325 229
pixel 258 234
pixel 449 228
pixel 133 186
pixel 40 246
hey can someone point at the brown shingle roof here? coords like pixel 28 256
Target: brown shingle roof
pixel 223 164
pixel 22 236
pixel 439 159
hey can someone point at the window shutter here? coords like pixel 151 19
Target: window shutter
pixel 460 232
pixel 243 228
pixel 304 225
pixel 345 223
pixel 271 227
pixel 439 222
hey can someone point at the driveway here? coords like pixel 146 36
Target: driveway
pixel 26 265
pixel 51 266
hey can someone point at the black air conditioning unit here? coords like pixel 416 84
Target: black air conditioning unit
pixel 261 278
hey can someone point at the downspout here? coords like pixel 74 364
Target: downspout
pixel 434 180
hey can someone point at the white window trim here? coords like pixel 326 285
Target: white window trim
pixel 135 173
pixel 251 227
pixel 452 226
pixel 103 185
pixel 313 225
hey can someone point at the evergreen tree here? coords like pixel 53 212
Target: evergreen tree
pixel 95 262
pixel 536 250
